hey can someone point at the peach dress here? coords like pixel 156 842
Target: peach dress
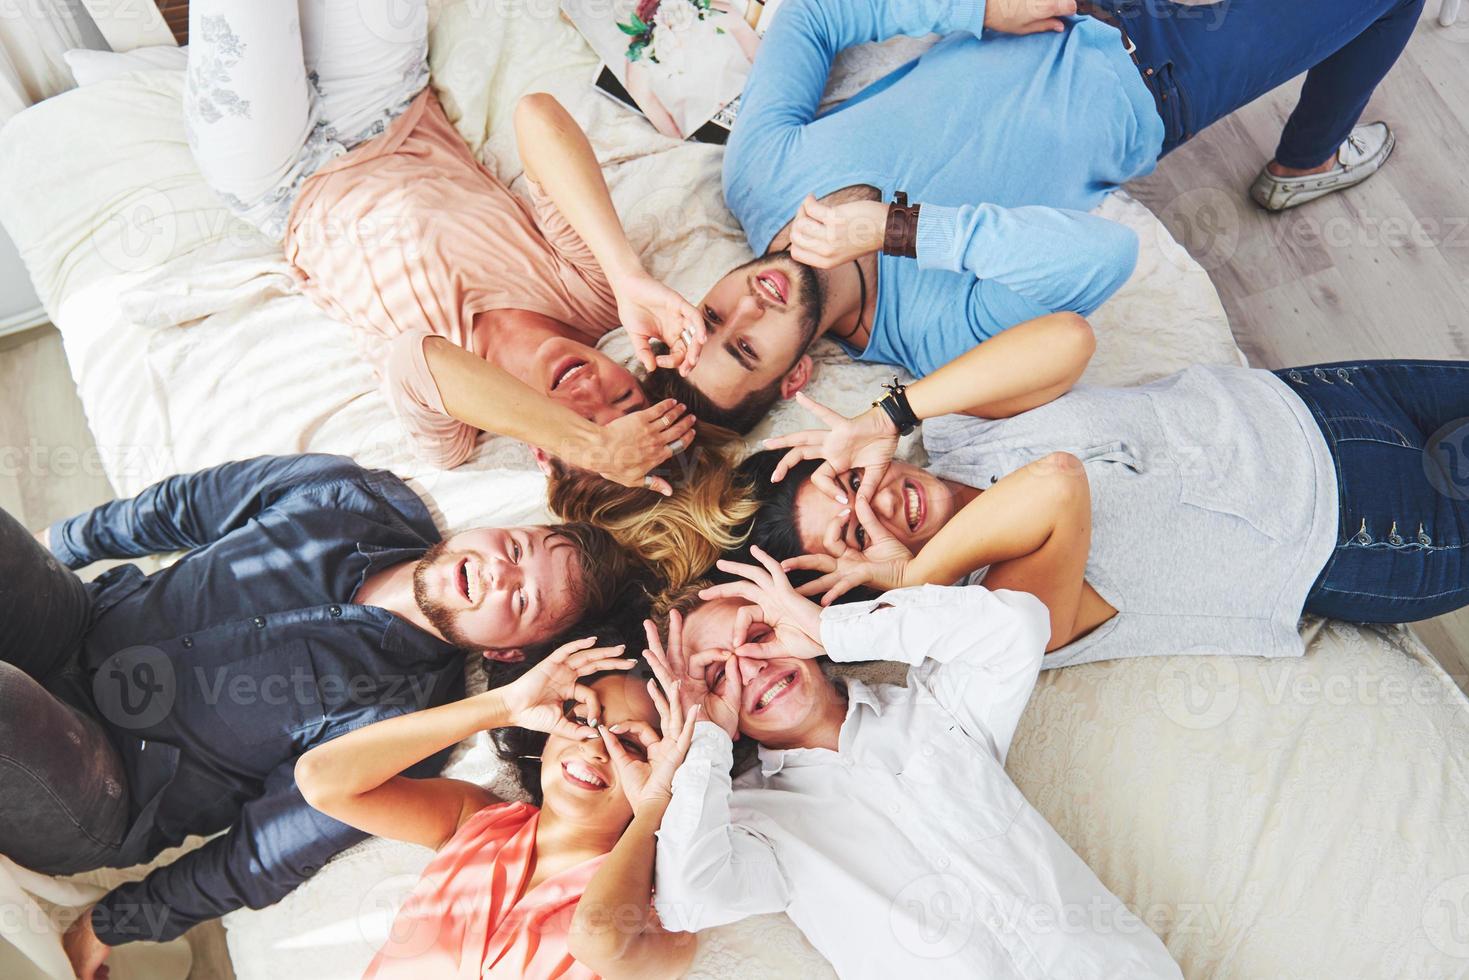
pixel 409 237
pixel 463 920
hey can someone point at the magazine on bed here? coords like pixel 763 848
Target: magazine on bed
pixel 681 63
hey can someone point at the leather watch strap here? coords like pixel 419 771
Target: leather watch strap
pixel 900 237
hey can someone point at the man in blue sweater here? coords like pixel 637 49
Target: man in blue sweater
pixel 1019 121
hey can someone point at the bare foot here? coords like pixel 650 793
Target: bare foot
pixel 1276 170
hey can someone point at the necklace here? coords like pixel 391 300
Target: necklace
pixel 861 303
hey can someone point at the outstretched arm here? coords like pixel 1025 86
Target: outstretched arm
pixel 558 157
pixel 355 778
pixel 1032 530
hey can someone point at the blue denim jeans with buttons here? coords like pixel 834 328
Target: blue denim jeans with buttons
pixel 1399 437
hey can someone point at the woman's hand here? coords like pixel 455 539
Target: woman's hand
pixel 866 442
pixel 630 447
pixel 795 621
pixel 828 235
pixel 649 782
pixel 537 699
pixel 883 565
pixel 738 28
pixel 651 311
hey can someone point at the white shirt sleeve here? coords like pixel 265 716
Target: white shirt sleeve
pixel 976 651
pixel 709 870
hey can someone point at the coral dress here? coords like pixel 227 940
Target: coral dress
pixel 463 919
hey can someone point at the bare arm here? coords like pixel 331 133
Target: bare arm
pixel 355 778
pixel 487 397
pixel 1032 529
pixel 558 157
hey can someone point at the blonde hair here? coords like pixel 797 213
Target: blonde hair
pixel 682 536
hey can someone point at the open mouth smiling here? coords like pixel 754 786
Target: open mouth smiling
pixel 569 370
pixel 462 580
pixel 777 688
pixel 773 286
pixel 582 776
pixel 914 505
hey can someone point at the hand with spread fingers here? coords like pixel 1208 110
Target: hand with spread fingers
pixel 794 619
pixel 865 442
pixel 882 564
pixel 636 444
pixel 709 680
pixel 651 311
pixel 825 236
pixel 537 699
pixel 646 758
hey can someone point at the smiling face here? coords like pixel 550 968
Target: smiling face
pixel 500 587
pixel 585 380
pixel 911 503
pixel 761 318
pixel 578 780
pixel 784 698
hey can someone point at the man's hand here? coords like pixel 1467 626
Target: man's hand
pixel 828 235
pixel 87 953
pixel 651 311
pixel 863 442
pixel 1027 16
pixel 795 619
pixel 883 565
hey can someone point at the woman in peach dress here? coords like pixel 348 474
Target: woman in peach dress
pixel 498 899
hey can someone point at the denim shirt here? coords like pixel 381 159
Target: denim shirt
pixel 213 675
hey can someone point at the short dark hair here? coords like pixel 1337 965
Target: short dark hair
pixel 607 568
pixel 741 417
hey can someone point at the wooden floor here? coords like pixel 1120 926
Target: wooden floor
pixel 1379 271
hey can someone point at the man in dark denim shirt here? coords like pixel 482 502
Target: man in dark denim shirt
pixel 315 597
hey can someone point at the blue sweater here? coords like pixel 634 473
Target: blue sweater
pixel 974 129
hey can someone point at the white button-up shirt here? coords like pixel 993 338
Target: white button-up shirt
pixel 908 852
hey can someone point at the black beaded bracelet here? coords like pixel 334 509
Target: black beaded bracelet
pixel 895 404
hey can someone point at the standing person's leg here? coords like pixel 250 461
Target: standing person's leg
pixel 248 108
pixel 366 60
pixel 1399 434
pixel 1204 62
pixel 63 793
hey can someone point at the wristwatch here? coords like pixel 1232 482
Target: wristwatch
pixel 895 404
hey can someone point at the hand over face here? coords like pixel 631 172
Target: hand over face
pixel 537 699
pixel 651 311
pixel 882 564
pixel 638 443
pixel 863 442
pixel 794 620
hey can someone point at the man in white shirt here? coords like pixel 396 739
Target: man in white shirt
pixel 880 818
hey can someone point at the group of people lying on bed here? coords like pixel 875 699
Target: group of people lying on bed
pixel 295 681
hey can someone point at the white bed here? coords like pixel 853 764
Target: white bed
pixel 1303 818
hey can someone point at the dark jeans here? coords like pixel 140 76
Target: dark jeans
pixel 63 793
pixel 1207 61
pixel 1399 436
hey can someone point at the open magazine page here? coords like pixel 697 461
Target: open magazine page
pixel 678 62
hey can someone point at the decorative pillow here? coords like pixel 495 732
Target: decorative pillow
pixel 89 67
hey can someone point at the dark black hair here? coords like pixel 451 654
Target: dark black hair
pixel 741 417
pixel 773 528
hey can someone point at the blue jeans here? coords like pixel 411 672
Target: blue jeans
pixel 1204 62
pixel 1399 436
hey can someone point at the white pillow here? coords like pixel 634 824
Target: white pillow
pixel 89 67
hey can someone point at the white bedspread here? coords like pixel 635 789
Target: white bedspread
pixel 1282 819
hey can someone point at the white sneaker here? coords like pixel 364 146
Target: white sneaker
pixel 1361 156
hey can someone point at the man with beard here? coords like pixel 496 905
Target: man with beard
pixel 1024 117
pixel 314 597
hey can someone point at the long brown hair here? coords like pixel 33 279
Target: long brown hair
pixel 681 536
